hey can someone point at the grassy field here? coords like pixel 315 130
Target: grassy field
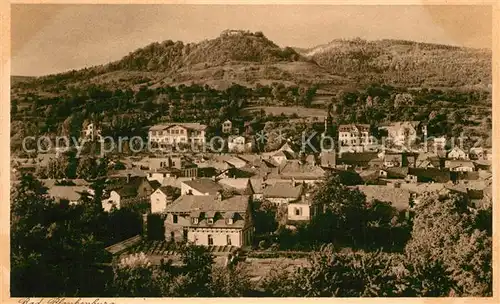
pixel 261 267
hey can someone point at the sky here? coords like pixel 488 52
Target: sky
pixel 47 39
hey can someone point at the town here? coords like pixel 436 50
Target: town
pixel 234 167
pixel 214 199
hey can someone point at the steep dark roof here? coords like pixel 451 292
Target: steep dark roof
pixel 359 159
pixel 204 185
pixel 430 174
pixel 283 190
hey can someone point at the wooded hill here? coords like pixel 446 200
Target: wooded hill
pixel 250 58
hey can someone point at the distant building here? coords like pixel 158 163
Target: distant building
pixel 459 165
pixel 399 198
pixel 457 153
pixel 477 153
pixel 238 144
pixel 160 199
pixel 174 133
pixel 302 210
pixel 354 135
pixel 328 159
pixel 72 194
pixel 393 160
pixel 201 186
pixel 123 192
pixel 402 133
pixel 91 132
pixel 227 127
pixel 283 192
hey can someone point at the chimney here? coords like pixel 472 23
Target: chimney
pixel 128 177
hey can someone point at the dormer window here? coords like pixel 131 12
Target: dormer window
pixel 230 221
pixel 210 220
pixel 194 220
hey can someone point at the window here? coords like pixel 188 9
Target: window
pixel 210 240
pixel 298 211
pixel 175 219
pixel 228 239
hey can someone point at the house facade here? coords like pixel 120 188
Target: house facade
pixel 404 132
pixel 211 220
pixel 238 144
pixel 160 199
pixel 227 127
pixel 459 165
pixel 302 210
pixel 175 133
pixel 126 192
pixel 457 153
pixel 354 135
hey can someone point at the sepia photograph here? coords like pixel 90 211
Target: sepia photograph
pixel 206 151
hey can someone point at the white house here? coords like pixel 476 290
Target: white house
pixel 91 132
pixel 125 192
pixel 172 133
pixel 160 199
pixel 457 153
pixel 477 153
pixel 227 127
pixel 459 165
pixel 238 144
pixel 402 133
pixel 303 209
pixel 354 135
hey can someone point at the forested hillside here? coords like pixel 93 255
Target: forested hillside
pixel 405 63
pixel 367 81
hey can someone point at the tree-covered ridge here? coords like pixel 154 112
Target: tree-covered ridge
pixel 405 63
pixel 229 46
pixel 245 57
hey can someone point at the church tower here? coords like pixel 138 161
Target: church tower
pixel 328 122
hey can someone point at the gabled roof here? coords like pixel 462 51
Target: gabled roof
pixel 204 203
pixel 70 193
pixel 357 158
pixel 297 169
pixel 397 172
pixel 165 190
pixel 393 157
pixel 283 190
pixel 451 163
pixel 236 183
pixel 126 188
pixel 430 174
pixel 257 185
pixel 190 125
pixel 328 158
pixel 204 185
